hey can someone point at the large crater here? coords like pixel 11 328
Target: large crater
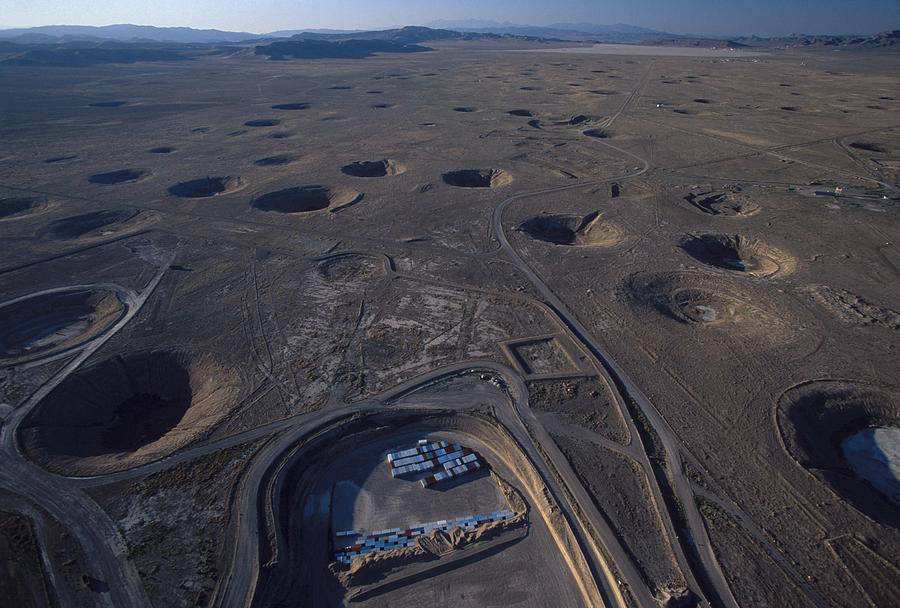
pixel 297 105
pixel 275 161
pixel 738 253
pixel 19 206
pixel 711 303
pixel 373 168
pixel 722 203
pixel 49 323
pixel 263 122
pixel 301 199
pixel 598 133
pixel 128 410
pixel 77 226
pixel 818 419
pixel 120 176
pixel 588 230
pixel 205 187
pixel 477 178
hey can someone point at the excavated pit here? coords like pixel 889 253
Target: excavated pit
pixel 49 323
pixel 302 199
pixel 120 176
pixel 20 206
pixel 463 109
pixel 817 419
pixel 162 150
pixel 722 203
pixel 263 122
pixel 77 226
pixel 525 113
pixel 586 231
pixel 291 106
pixel 344 463
pixel 738 253
pixel 373 168
pixel 128 410
pixel 477 178
pixel 205 187
pixel 275 161
pixel 107 104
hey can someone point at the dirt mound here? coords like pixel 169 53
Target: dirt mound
pixel 79 225
pixel 49 323
pixel 121 176
pixel 129 410
pixel 477 178
pixel 598 133
pixel 263 122
pixel 291 106
pixel 722 203
pixel 162 150
pixel 815 418
pixel 19 206
pixel 301 199
pixel 373 168
pixel 107 104
pixel 204 187
pixel 577 230
pixel 525 113
pixel 274 161
pixel 738 253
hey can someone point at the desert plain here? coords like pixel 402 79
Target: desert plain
pixel 655 291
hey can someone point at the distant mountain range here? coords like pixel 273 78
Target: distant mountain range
pixel 147 33
pixel 619 32
pixel 121 33
pixel 440 30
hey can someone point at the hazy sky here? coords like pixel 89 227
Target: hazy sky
pixel 722 17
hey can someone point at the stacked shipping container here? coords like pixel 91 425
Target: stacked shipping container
pixel 453 460
pixel 352 544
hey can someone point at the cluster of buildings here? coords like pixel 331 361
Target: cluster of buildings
pixel 446 460
pixel 449 461
pixel 353 544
